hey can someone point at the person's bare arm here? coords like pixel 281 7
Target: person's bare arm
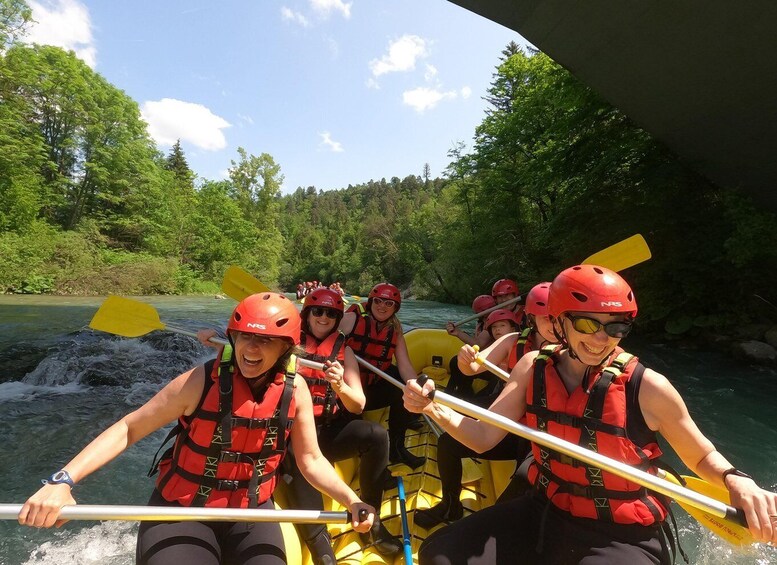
pixel 665 412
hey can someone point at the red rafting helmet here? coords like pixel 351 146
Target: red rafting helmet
pixel 483 302
pixel 386 291
pixel 504 286
pixel 590 288
pixel 537 299
pixel 499 315
pixel 267 313
pixel 324 298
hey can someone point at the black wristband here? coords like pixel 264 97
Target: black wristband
pixel 734 471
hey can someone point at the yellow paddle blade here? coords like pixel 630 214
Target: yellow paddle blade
pixel 126 317
pixel 239 284
pixel 622 255
pixel 732 532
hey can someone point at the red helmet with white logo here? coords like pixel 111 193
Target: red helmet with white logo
pixel 590 288
pixel 267 313
pixel 504 286
pixel 324 298
pixel 499 315
pixel 537 299
pixel 387 291
pixel 483 302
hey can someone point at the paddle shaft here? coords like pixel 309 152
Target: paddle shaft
pixel 405 526
pixel 489 310
pixel 185 514
pixel 496 369
pixel 681 494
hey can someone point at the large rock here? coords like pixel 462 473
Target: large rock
pixel 757 351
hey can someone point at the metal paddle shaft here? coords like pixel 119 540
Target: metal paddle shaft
pixel 520 297
pixel 679 493
pixel 185 514
pixel 619 468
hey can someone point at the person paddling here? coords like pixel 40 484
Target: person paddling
pixel 586 390
pixel 505 352
pixel 338 400
pixel 481 303
pixel 375 334
pixel 236 416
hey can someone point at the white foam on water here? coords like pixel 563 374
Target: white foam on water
pixel 20 391
pixel 107 543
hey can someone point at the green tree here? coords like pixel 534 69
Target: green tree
pixel 15 15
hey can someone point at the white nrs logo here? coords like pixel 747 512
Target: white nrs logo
pixel 257 326
pixel 611 304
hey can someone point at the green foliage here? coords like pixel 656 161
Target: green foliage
pixel 15 15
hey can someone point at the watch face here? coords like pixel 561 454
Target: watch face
pixel 59 476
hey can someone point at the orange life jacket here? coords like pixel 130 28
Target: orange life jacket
pixel 331 349
pixel 373 345
pixel 228 450
pixel 593 416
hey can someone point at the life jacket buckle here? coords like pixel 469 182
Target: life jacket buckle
pixel 225 484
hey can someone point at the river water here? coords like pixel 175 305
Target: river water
pixel 61 383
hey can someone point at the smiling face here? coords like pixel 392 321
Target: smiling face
pixel 256 354
pixel 592 348
pixel 382 309
pixel 544 327
pixel 320 323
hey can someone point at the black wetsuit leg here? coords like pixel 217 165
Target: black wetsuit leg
pixel 521 531
pixel 450 453
pixel 206 543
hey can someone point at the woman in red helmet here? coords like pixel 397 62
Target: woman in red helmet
pixel 375 334
pixel 505 291
pixel 577 513
pixel 338 399
pixel 236 416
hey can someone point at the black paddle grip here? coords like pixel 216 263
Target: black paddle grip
pixel 422 378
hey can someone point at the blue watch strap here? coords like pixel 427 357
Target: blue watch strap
pixel 58 478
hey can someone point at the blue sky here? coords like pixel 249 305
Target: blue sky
pixel 336 91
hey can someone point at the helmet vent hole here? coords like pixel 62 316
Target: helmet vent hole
pixel 580 296
pixel 267 297
pixel 237 316
pixel 598 270
pixel 282 322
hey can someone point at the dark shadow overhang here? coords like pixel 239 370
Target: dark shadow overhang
pixel 701 76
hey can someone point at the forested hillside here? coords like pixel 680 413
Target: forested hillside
pixel 89 205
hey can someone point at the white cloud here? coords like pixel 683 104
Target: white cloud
pixel 66 24
pixel 169 120
pixel 372 83
pixel 401 56
pixel 334 146
pixel 247 119
pixel 289 15
pixel 424 98
pixel 326 7
pixel 466 92
pixel 430 73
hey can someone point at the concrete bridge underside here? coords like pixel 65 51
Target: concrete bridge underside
pixel 701 76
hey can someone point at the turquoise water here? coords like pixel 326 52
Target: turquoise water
pixel 61 383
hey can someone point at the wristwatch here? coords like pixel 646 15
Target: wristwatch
pixel 58 478
pixel 734 471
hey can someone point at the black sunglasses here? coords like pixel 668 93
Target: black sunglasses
pixel 586 325
pixel 317 311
